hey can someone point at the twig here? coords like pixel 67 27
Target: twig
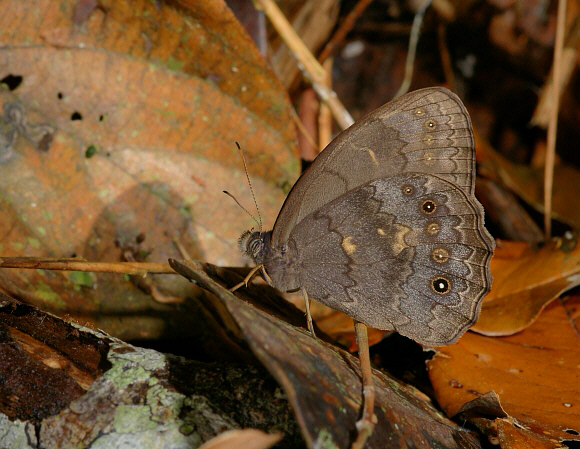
pixel 46 263
pixel 553 124
pixel 310 67
pixel 307 114
pixel 445 56
pixel 413 41
pixel 344 29
pixel 324 115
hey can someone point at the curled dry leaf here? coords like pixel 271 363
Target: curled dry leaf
pixel 243 439
pixel 123 124
pixel 534 374
pixel 528 183
pixel 524 282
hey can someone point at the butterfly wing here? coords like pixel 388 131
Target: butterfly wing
pixel 406 253
pixel 428 130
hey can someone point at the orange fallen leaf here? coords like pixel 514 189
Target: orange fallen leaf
pixel 534 373
pixel 524 282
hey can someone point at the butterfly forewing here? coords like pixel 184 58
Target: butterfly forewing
pixel 428 130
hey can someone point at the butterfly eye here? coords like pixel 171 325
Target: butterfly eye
pixel 256 246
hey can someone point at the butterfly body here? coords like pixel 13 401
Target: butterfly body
pixel 384 225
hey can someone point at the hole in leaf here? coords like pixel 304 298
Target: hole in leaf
pixel 76 116
pixel 45 142
pixel 12 81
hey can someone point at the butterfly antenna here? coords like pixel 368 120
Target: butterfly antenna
pixel 259 221
pixel 243 208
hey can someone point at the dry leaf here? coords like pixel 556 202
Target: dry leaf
pixel 123 124
pixel 534 373
pixel 243 439
pixel 528 183
pixel 524 282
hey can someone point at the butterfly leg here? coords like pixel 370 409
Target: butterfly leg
pixel 308 314
pixel 248 278
pixel 367 422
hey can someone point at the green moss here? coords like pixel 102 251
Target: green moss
pixel 133 419
pixel 49 296
pixel 175 64
pixel 82 279
pixel 325 440
pixel 33 242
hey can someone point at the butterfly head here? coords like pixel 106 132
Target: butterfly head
pixel 254 244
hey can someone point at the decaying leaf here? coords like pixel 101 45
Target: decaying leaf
pixel 534 374
pixel 528 183
pixel 524 282
pixel 118 124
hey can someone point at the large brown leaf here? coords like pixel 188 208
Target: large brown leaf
pixel 119 121
pixel 528 183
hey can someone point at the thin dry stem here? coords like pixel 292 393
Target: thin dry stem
pixel 310 67
pixel 307 135
pixel 46 263
pixel 344 29
pixel 413 41
pixel 324 115
pixel 445 56
pixel 553 124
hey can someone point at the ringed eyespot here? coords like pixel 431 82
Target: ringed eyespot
pixel 440 255
pixel 408 190
pixel 428 139
pixel 433 228
pixel 441 286
pixel 429 159
pixel 428 206
pixel 431 124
